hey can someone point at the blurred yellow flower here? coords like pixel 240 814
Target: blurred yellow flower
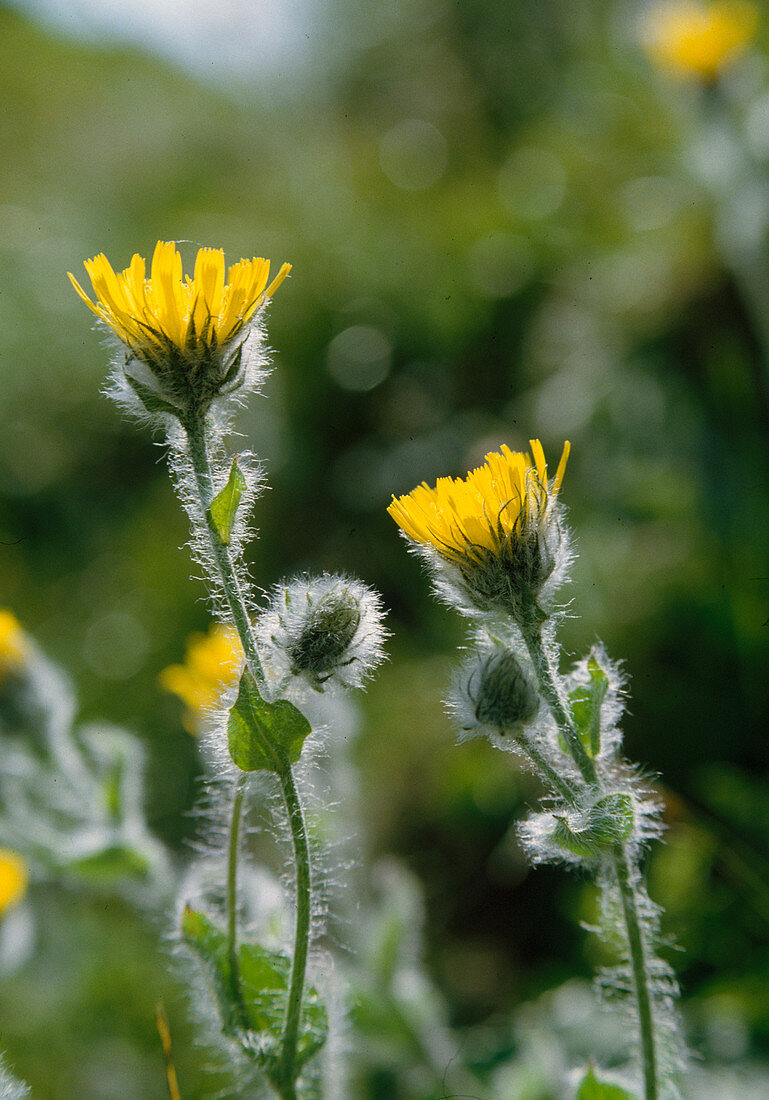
pixel 699 40
pixel 13 643
pixel 212 662
pixel 170 311
pixel 14 877
pixel 484 511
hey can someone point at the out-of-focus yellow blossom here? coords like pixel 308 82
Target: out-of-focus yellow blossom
pixel 699 40
pixel 484 511
pixel 171 311
pixel 13 643
pixel 14 877
pixel 212 662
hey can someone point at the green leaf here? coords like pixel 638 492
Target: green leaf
pixel 589 833
pixel 585 704
pixel 210 944
pixel 264 736
pixel 591 1088
pixel 152 401
pixel 224 507
pixel 110 865
pixel 264 981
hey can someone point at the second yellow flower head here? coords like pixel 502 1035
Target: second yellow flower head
pixel 483 511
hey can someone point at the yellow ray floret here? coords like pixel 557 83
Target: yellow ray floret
pixel 483 509
pixel 211 663
pixel 13 642
pixel 14 877
pixel 171 308
pixel 699 40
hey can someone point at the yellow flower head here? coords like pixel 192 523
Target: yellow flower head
pixel 212 663
pixel 185 329
pixel 493 525
pixel 13 643
pixel 699 40
pixel 14 877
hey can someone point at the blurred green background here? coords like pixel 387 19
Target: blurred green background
pixel 504 222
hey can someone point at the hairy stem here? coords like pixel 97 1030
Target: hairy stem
pixel 197 438
pixel 288 1070
pixel 549 690
pixel 637 954
pixel 232 891
pixel 620 863
pixel 556 781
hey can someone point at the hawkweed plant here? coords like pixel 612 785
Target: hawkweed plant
pixel 186 351
pixel 498 549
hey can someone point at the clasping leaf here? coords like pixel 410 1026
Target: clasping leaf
pixel 591 1088
pixel 585 703
pixel 224 507
pixel 589 833
pixel 264 736
pixel 258 1018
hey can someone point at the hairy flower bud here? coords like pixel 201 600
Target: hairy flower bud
pixel 493 693
pixel 321 629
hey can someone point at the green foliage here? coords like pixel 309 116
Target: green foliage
pixel 224 506
pixel 592 832
pixel 257 1017
pixel 264 736
pixel 585 703
pixel 592 1088
pixel 110 865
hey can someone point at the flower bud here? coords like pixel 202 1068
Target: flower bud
pixel 492 692
pixel 321 629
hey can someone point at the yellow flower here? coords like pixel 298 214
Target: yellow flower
pixel 190 332
pixel 484 510
pixel 212 663
pixel 170 310
pixel 496 526
pixel 14 877
pixel 13 643
pixel 699 40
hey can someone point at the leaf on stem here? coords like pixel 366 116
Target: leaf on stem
pixel 592 1088
pixel 591 832
pixel 585 703
pixel 264 736
pixel 224 507
pixel 264 983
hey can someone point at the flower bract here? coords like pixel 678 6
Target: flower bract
pixel 212 663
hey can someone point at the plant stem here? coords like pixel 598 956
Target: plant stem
pixel 637 953
pixel 232 891
pixel 549 691
pixel 558 782
pixel 288 1072
pixel 201 465
pixel 620 863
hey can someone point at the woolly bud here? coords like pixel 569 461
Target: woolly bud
pixel 493 693
pixel 321 629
